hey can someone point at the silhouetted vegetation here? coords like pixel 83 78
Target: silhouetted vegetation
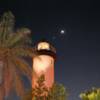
pixel 41 92
pixel 93 94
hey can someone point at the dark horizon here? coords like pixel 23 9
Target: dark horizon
pixel 78 49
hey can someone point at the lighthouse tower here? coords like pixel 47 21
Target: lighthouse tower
pixel 43 63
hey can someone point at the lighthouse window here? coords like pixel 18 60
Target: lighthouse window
pixel 43 45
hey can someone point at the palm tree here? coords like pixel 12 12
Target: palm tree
pixel 14 45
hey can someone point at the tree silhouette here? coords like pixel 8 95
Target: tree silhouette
pixel 57 92
pixel 93 94
pixel 41 92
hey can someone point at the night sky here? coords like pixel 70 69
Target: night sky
pixel 78 48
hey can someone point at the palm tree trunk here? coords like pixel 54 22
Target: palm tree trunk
pixel 1 81
pixel 1 72
pixel 2 92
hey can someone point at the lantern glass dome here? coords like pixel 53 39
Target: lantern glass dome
pixel 43 46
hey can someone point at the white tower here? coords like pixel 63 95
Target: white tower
pixel 43 63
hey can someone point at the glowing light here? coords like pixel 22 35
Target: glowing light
pixel 43 45
pixel 62 32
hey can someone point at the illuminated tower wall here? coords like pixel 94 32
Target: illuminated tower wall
pixel 43 63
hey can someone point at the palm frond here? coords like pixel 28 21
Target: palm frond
pixel 18 84
pixel 13 40
pixel 23 67
pixel 28 52
pixel 8 77
pixel 2 93
pixel 6 25
pixel 16 40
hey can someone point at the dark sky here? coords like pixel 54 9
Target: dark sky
pixel 78 50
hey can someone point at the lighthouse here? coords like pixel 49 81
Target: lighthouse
pixel 43 63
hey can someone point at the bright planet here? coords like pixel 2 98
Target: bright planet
pixel 62 31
